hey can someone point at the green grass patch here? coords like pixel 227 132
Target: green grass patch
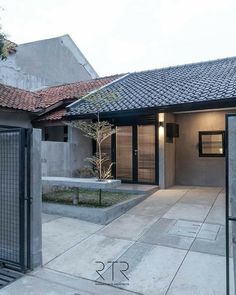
pixel 87 198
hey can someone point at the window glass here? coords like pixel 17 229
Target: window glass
pixel 211 143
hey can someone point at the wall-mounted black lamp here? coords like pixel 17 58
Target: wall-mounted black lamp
pixel 172 130
pixel 161 124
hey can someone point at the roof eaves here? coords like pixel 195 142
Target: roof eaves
pixel 187 106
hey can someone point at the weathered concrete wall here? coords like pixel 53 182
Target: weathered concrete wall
pixel 63 158
pixel 232 180
pixel 46 63
pixel 15 118
pixel 166 154
pixel 190 168
pixel 55 158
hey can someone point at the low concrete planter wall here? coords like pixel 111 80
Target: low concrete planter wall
pixel 95 215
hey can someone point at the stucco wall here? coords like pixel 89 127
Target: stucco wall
pixel 190 168
pixel 63 158
pixel 46 63
pixel 15 118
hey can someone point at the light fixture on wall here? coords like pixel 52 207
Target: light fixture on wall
pixel 161 120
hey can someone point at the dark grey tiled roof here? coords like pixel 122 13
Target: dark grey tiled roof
pixel 190 83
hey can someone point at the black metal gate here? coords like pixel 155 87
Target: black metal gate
pixel 15 198
pixel 230 214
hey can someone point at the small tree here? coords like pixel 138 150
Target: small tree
pixel 99 131
pixel 6 46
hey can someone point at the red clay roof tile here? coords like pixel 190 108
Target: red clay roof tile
pixel 52 116
pixel 15 98
pixel 52 95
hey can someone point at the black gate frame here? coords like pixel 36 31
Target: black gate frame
pixel 25 200
pixel 228 217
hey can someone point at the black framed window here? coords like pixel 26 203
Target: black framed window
pixel 212 143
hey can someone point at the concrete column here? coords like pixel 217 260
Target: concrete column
pixel 70 134
pixel 161 118
pixel 36 195
pixel 166 153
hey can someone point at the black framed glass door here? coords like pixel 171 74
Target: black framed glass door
pixel 124 153
pixel 145 154
pixel 135 153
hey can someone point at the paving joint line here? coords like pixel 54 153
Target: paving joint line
pixel 83 278
pixel 189 250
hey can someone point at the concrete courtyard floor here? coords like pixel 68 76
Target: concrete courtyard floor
pixel 173 243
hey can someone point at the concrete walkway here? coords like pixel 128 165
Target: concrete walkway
pixel 173 243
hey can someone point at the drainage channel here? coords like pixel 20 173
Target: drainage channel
pixel 8 276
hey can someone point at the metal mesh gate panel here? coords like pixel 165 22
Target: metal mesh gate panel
pixel 13 200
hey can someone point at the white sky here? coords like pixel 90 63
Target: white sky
pixel 120 36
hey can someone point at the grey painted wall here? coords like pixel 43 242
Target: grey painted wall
pixel 46 63
pixel 190 168
pixel 63 158
pixel 15 118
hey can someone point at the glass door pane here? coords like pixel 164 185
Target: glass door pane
pixel 124 151
pixel 146 153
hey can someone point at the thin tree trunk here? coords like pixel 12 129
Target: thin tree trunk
pixel 100 161
pixel 100 197
pixel 99 150
pixel 75 196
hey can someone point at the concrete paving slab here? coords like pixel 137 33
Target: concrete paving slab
pixel 130 260
pixel 150 208
pixel 158 234
pixel 209 231
pixel 194 212
pixel 200 196
pixel 35 286
pixel 200 274
pixel 83 285
pixel 128 226
pixel 185 228
pixel 62 233
pixel 168 196
pixel 49 217
pixel 153 274
pixel 217 213
pixel 81 259
pixel 210 246
pixel 48 282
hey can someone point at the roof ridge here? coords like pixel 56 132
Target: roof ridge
pixel 18 88
pixel 186 65
pixel 82 81
pixel 98 89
